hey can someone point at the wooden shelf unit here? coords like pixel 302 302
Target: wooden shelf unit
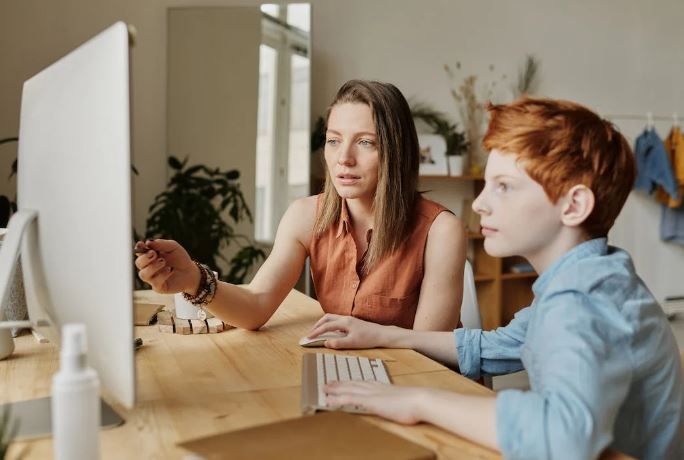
pixel 500 292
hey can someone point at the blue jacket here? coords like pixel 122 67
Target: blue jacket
pixel 653 164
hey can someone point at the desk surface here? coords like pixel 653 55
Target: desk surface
pixel 197 385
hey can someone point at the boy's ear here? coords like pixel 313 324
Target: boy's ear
pixel 579 203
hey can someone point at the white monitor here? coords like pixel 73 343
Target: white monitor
pixel 74 198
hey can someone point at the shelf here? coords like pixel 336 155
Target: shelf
pixel 458 178
pixel 484 278
pixel 517 276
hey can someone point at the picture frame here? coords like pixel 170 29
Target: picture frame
pixel 433 160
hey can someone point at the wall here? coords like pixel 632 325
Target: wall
pixel 618 56
pixel 212 86
pixel 35 33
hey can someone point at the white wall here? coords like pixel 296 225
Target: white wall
pixel 212 86
pixel 35 33
pixel 615 55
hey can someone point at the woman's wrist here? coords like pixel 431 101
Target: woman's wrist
pixel 396 337
pixel 195 281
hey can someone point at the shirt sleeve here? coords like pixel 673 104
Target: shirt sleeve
pixel 492 352
pixel 581 361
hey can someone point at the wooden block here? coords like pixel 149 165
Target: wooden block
pixel 183 326
pixel 198 326
pixel 166 329
pixel 165 318
pixel 40 338
pixel 215 325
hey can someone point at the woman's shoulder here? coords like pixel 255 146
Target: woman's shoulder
pixel 304 209
pixel 299 218
pixel 446 226
pixel 435 213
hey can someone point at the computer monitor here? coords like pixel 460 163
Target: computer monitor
pixel 74 205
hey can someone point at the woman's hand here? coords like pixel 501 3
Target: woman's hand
pixel 167 267
pixel 359 333
pixel 399 404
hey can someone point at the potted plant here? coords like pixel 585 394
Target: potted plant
pixel 7 205
pixel 195 210
pixel 456 144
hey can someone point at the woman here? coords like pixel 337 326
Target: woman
pixel 379 251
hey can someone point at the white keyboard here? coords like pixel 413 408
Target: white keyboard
pixel 319 369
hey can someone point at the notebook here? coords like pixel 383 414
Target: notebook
pixel 328 435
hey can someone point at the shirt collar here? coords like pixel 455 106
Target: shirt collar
pixel 345 223
pixel 597 246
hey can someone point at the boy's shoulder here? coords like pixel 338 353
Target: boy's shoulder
pixel 604 285
pixel 611 270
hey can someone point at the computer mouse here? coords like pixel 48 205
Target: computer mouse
pixel 320 340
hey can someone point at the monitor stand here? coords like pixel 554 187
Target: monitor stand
pixel 34 417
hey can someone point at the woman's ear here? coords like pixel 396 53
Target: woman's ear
pixel 579 203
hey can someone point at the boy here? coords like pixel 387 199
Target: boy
pixel 603 365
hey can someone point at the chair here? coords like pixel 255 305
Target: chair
pixel 470 308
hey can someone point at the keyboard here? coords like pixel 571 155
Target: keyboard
pixel 319 369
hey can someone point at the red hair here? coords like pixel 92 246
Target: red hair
pixel 563 144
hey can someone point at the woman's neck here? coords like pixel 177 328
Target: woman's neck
pixel 361 213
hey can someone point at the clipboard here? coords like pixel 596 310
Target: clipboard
pixel 327 435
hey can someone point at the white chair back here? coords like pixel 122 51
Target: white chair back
pixel 470 309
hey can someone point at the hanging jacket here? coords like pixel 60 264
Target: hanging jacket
pixel 674 145
pixel 653 164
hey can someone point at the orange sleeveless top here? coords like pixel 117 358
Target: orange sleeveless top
pixel 389 293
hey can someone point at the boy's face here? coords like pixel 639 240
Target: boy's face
pixel 516 216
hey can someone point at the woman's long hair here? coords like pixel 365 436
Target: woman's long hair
pixel 398 153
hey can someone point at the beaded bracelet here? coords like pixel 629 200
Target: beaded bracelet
pixel 207 287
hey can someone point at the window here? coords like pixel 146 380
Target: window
pixel 282 168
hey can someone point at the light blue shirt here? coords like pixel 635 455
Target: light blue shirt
pixel 602 361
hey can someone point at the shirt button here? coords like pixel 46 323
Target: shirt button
pixel 355 284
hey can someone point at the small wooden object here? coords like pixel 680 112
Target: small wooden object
pixel 170 324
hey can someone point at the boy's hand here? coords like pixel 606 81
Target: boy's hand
pixel 359 333
pixel 392 402
pixel 167 267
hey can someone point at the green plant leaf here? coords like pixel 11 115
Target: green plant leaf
pixel 440 124
pixel 233 174
pixel 174 163
pixel 195 210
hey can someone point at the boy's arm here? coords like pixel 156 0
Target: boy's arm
pixel 472 417
pixel 579 359
pixel 494 352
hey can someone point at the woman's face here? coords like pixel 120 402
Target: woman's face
pixel 351 151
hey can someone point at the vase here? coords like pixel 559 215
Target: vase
pixel 455 165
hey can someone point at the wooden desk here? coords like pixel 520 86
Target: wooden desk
pixel 198 385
